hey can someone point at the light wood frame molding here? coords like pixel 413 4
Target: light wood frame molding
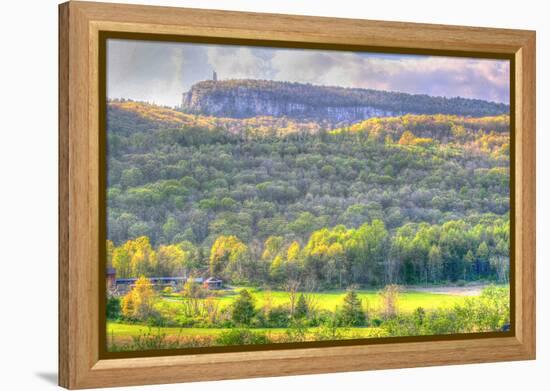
pixel 80 365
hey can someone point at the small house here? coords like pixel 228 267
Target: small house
pixel 213 283
pixel 111 278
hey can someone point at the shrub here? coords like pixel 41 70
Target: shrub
pixel 241 337
pixel 488 312
pixel 376 322
pixel 301 311
pixel 193 290
pixel 320 317
pixel 168 291
pixel 159 340
pixel 278 317
pixel 113 308
pixel 329 329
pixel 297 332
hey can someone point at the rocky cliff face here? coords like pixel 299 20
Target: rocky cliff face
pixel 249 98
pixel 245 103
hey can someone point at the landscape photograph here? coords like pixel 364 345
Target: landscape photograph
pixel 269 195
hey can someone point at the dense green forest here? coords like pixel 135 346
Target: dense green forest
pixel 410 199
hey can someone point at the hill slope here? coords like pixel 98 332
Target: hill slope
pixel 191 172
pixel 408 184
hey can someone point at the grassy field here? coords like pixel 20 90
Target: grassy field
pixel 408 301
pixel 122 332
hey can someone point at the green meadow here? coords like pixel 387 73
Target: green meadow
pixel 173 306
pixel 122 331
pixel 408 300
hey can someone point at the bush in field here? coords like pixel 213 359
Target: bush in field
pixel 352 313
pixel 139 302
pixel 211 308
pixel 301 311
pixel 193 293
pixel 242 309
pixel 242 337
pixel 278 317
pixel 389 297
pixel 297 332
pixel 156 339
pixel 151 341
pixel 488 312
pixel 167 291
pixel 192 289
pixel 329 329
pixel 113 308
pixel 437 322
pixel 419 315
pixel 321 316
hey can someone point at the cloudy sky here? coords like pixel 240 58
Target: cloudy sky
pixel 160 72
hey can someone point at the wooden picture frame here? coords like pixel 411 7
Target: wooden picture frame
pixel 81 364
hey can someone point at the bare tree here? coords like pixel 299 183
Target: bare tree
pixel 502 265
pixel 291 288
pixel 389 297
pixel 268 302
pixel 312 300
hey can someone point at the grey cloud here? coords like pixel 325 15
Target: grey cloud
pixel 160 72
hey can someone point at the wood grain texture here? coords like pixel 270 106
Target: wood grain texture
pixel 80 23
pixel 526 189
pixel 63 200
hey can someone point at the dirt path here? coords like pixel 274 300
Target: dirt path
pixel 473 290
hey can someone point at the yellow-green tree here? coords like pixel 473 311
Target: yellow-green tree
pixel 277 268
pixel 171 260
pixel 121 262
pixel 143 257
pixel 135 258
pixel 294 264
pixel 272 246
pixel 407 138
pixel 228 255
pixel 293 252
pixel 139 302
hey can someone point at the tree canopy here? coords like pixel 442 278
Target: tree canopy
pixel 408 199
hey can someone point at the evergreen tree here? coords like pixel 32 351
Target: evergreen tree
pixel 301 309
pixel 243 308
pixel 352 314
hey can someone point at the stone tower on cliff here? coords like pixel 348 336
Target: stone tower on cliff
pixel 214 76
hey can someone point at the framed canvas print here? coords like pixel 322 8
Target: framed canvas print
pixel 247 195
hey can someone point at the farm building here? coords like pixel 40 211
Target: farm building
pixel 111 279
pixel 213 283
pixel 123 285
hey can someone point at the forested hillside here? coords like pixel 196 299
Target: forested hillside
pixel 407 199
pixel 250 98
